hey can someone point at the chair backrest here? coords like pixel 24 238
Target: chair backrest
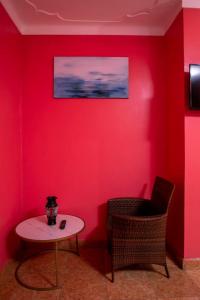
pixel 161 195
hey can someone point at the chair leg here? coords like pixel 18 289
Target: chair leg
pixel 113 275
pixel 166 270
pixel 112 271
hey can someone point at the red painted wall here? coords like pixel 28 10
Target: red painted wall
pixel 87 151
pixel 192 142
pixel 10 93
pixel 175 132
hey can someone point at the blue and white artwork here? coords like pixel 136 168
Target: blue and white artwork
pixel 90 77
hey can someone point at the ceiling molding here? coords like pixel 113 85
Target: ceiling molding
pixel 95 29
pixel 59 16
pixel 136 22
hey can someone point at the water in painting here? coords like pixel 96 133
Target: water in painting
pixel 90 77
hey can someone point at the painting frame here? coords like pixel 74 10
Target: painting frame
pixel 90 77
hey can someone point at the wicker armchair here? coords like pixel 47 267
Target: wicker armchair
pixel 137 228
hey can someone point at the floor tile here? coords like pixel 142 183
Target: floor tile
pixel 87 277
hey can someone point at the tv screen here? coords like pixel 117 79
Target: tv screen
pixel 195 86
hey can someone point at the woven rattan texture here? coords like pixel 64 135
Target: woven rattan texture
pixel 137 227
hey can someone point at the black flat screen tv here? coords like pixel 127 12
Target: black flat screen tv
pixel 194 70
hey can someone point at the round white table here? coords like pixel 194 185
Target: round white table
pixel 38 231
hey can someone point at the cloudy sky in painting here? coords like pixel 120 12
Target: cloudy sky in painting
pixel 90 77
pixel 91 68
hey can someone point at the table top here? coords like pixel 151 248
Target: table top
pixel 37 230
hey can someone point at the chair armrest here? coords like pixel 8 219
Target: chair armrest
pixel 126 206
pixel 131 227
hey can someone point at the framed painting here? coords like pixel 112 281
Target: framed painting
pixel 91 77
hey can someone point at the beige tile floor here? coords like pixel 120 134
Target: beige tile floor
pixel 87 278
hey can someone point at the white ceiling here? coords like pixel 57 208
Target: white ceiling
pixel 113 17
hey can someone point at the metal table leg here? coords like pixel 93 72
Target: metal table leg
pixel 54 286
pixel 56 262
pixel 77 247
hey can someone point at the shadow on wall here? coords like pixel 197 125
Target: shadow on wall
pixel 101 260
pixel 97 260
pixel 98 236
pixel 163 139
pixel 100 230
pixel 143 191
pixel 13 244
